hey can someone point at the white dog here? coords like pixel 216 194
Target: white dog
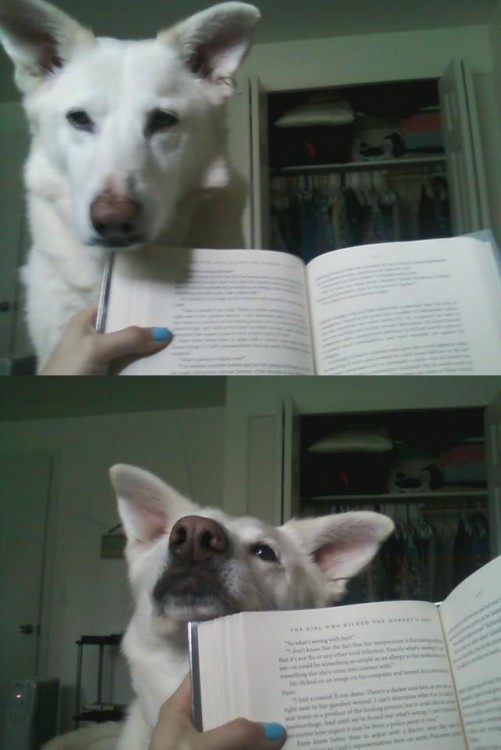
pixel 128 146
pixel 191 563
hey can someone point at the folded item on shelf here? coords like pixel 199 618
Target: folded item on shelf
pixel 317 113
pixel 376 440
pixel 421 121
pixel 463 453
pixel 470 473
pixel 424 139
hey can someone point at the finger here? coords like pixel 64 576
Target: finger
pixel 89 315
pixel 84 320
pixel 241 734
pixel 180 700
pixel 131 340
pixel 175 727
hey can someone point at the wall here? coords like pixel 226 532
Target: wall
pixel 13 230
pixel 367 58
pixel 84 594
pixel 494 33
pixel 495 99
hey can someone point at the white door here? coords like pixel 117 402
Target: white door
pixel 493 440
pixel 24 501
pixel 259 162
pixel 13 149
pixel 291 460
pixel 465 165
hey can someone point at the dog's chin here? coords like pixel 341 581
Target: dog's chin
pixel 183 609
pixel 125 245
pixel 187 613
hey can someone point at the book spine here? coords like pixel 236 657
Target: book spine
pixel 196 693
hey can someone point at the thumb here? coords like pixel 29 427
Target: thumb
pixel 241 734
pixel 132 340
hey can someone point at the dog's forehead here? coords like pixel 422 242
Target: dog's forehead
pixel 124 67
pixel 245 528
pixel 250 530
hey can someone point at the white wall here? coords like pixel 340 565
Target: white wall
pixel 13 230
pixel 494 167
pixel 368 58
pixel 495 32
pixel 86 595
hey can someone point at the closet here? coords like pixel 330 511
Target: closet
pixel 426 469
pixel 347 165
pixel 356 165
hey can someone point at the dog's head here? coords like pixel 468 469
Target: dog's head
pixel 192 563
pixel 123 130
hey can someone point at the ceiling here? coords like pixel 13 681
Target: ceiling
pixel 30 398
pixel 282 20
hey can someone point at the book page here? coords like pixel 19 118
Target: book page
pixel 232 312
pixel 430 307
pixel 362 676
pixel 471 618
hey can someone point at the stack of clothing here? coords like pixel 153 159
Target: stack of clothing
pixel 422 133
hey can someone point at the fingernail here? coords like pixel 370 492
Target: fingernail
pixel 273 731
pixel 160 334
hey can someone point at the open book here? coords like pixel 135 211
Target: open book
pixel 393 675
pixel 419 308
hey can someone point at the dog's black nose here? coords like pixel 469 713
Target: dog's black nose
pixel 196 539
pixel 115 217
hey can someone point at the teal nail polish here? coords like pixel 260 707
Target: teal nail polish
pixel 273 731
pixel 160 334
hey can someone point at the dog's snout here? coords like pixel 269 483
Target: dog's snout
pixel 115 217
pixel 196 539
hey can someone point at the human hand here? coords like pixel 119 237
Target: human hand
pixel 83 351
pixel 175 730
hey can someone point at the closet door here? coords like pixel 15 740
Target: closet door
pixel 493 453
pixel 290 504
pixel 467 183
pixel 260 190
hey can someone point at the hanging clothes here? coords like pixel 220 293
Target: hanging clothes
pixel 426 556
pixel 315 213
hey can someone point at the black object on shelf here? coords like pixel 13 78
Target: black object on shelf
pixel 102 710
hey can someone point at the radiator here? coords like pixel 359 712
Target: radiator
pixel 31 713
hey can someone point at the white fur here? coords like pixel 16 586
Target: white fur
pixel 180 177
pixel 315 559
pixel 97 737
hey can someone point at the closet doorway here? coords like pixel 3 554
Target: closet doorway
pixel 344 166
pixel 427 470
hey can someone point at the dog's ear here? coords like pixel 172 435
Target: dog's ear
pixel 38 38
pixel 213 43
pixel 146 505
pixel 342 544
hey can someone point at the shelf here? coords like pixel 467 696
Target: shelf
pixel 101 640
pixel 104 710
pixel 354 166
pixel 396 497
pixel 98 716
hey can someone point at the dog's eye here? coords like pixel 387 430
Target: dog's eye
pixel 160 119
pixel 264 552
pixel 80 120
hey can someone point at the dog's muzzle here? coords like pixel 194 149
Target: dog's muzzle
pixel 115 220
pixel 198 548
pixel 196 539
